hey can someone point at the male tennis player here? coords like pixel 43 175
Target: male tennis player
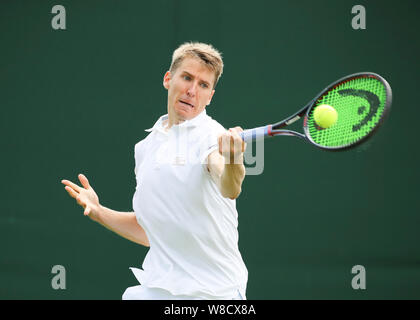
pixel 189 171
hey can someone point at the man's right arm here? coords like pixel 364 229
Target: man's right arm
pixel 123 223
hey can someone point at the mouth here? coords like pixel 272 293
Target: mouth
pixel 186 104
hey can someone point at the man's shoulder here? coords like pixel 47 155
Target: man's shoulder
pixel 143 142
pixel 214 125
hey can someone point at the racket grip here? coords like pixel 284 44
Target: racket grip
pixel 255 134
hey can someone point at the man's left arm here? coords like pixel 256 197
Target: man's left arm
pixel 226 165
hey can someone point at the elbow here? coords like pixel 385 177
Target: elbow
pixel 232 194
pixel 141 241
pixel 236 195
pixel 146 242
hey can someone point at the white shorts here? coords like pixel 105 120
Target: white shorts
pixel 144 293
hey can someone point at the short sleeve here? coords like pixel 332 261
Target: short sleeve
pixel 138 155
pixel 210 141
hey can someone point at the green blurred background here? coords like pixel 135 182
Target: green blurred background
pixel 77 100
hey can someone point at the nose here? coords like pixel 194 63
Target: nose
pixel 191 91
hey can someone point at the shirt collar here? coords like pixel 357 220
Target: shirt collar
pixel 194 122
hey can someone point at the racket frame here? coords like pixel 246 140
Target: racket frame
pixel 275 129
pixel 387 106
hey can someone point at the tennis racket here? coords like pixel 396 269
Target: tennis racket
pixel 362 101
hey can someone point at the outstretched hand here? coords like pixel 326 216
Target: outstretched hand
pixel 85 196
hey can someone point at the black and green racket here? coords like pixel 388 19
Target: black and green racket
pixel 361 101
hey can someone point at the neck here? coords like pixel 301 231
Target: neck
pixel 171 121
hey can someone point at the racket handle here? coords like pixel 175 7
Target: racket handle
pixel 256 134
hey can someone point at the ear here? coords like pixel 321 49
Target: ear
pixel 211 97
pixel 167 79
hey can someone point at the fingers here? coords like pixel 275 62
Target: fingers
pixel 84 181
pixel 230 137
pixel 220 143
pixel 235 133
pixel 79 193
pixel 71 192
pixel 75 195
pixel 72 185
pixel 87 211
pixel 231 145
pixel 236 138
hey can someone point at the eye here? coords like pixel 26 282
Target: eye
pixel 204 85
pixel 188 78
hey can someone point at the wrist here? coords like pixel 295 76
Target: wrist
pixel 97 213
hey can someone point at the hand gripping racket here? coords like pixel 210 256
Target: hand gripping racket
pixel 362 101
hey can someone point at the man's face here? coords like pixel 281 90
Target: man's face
pixel 190 90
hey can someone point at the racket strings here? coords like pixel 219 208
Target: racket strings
pixel 360 104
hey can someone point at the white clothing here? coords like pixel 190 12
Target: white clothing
pixel 145 293
pixel 191 227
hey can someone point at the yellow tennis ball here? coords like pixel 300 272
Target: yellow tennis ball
pixel 325 116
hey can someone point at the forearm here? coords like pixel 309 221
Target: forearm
pixel 231 179
pixel 122 223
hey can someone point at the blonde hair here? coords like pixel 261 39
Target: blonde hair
pixel 207 54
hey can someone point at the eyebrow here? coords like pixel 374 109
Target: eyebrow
pixel 189 74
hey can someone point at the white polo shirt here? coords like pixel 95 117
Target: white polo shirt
pixel 191 227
